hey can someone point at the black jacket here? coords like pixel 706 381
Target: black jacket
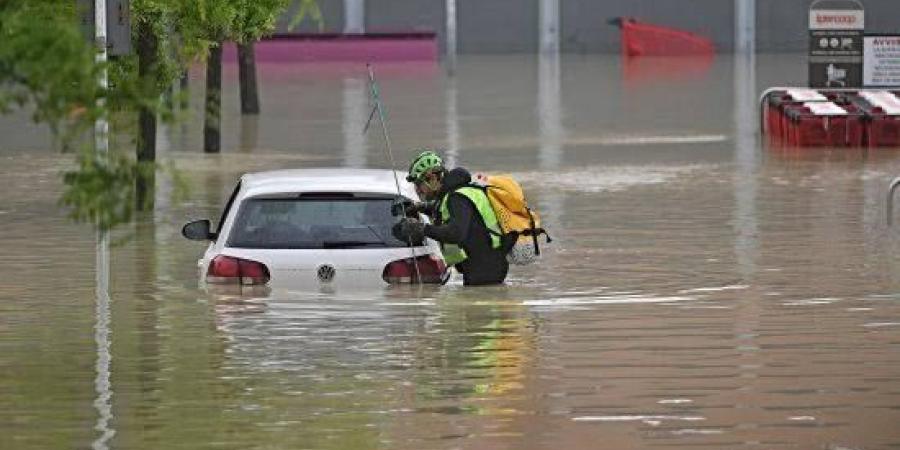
pixel 466 228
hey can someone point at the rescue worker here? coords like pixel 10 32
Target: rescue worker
pixel 464 222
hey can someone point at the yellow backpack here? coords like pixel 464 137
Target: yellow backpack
pixel 520 224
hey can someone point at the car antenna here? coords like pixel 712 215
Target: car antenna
pixel 376 99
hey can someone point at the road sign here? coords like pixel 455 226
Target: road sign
pixel 836 44
pixel 882 61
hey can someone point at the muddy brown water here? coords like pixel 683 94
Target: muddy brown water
pixel 702 290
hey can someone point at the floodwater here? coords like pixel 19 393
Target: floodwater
pixel 702 290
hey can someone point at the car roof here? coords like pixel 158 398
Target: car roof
pixel 376 181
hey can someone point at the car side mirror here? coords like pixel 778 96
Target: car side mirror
pixel 198 230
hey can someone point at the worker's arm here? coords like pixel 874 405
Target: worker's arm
pixel 455 230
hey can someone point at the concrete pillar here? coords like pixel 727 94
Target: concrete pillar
pixel 450 13
pixel 744 26
pixel 549 25
pixel 354 16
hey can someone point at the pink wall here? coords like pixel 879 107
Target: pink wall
pixel 342 48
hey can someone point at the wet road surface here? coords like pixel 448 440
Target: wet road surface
pixel 702 290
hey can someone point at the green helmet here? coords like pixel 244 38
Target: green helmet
pixel 426 161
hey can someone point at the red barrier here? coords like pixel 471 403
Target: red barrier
pixel 883 129
pixel 831 118
pixel 809 128
pixel 778 103
pixel 883 110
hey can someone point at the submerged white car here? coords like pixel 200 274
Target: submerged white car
pixel 315 227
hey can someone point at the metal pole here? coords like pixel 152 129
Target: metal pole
pixel 746 242
pixel 548 28
pixel 354 16
pixel 745 26
pixel 450 11
pixel 101 335
pixel 102 313
pixel 101 126
pixel 376 98
pixel 552 134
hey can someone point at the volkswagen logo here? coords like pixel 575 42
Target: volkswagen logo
pixel 325 273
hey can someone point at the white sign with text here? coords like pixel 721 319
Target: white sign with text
pixel 882 61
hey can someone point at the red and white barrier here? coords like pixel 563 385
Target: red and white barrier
pixel 799 117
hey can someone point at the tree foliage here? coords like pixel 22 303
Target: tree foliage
pixel 48 66
pixel 256 18
pixel 46 63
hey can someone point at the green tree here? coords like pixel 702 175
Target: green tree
pixel 255 19
pixel 47 66
pixel 169 36
pixel 210 22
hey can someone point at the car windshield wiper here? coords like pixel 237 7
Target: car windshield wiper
pixel 348 244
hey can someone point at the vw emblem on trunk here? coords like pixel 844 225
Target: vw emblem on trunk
pixel 325 273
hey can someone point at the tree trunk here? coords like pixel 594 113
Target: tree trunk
pixel 247 78
pixel 183 89
pixel 147 47
pixel 212 136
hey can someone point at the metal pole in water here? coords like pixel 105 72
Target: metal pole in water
pixel 102 384
pixel 376 98
pixel 890 200
pixel 102 313
pixel 101 126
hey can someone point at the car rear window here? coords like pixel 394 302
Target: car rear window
pixel 314 223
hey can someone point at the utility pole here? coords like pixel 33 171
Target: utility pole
pixel 101 126
pixel 102 384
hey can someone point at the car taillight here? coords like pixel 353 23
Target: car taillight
pixel 432 270
pixel 228 269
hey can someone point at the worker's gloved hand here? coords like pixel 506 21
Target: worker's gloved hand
pixel 427 208
pixel 408 208
pixel 409 230
pixel 403 207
